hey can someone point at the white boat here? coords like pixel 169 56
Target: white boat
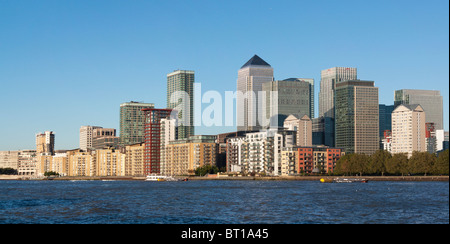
pixel 154 177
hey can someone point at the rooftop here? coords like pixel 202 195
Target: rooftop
pixel 256 60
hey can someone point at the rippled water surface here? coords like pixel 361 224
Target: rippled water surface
pixel 223 202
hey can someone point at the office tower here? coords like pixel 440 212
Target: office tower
pixel 294 96
pixel 329 79
pixel 45 143
pixel 357 116
pixel 132 122
pixel 251 76
pixel 430 101
pixel 408 129
pixel 96 137
pixel 385 118
pixel 86 136
pixel 180 96
pixel 323 131
pixel 302 127
pixel 152 153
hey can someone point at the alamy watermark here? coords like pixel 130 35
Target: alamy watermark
pixel 231 108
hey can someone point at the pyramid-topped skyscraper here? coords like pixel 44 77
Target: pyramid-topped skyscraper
pixel 251 76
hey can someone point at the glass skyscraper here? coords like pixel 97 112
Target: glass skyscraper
pixel 329 79
pixel 431 102
pixel 132 122
pixel 180 96
pixel 357 116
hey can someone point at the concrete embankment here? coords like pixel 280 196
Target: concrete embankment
pixel 221 177
pixel 317 178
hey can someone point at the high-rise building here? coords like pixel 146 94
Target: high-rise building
pixel 408 129
pixel 45 143
pixel 357 116
pixel 86 136
pixel 251 76
pixel 385 118
pixel 323 131
pixel 430 101
pixel 132 122
pixel 302 127
pixel 329 79
pixel 152 153
pixel 294 96
pixel 180 97
pixel 97 137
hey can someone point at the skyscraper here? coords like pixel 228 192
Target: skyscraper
pixel 357 116
pixel 152 151
pixel 430 101
pixel 294 96
pixel 132 122
pixel 251 76
pixel 180 96
pixel 385 118
pixel 329 79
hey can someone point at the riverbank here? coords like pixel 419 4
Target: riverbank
pixel 221 177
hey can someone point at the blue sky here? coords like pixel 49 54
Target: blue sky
pixel 64 64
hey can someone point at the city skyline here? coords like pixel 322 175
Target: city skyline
pixel 58 73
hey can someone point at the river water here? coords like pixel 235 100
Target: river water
pixel 223 202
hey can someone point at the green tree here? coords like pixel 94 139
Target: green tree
pixel 206 169
pixel 378 161
pixel 50 173
pixel 8 171
pixel 442 163
pixel 397 164
pixel 351 164
pixel 422 162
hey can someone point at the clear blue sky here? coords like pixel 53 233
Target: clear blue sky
pixel 64 64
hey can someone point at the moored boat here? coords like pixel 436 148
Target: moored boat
pixel 344 180
pixel 154 177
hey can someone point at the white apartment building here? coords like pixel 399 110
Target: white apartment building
pixel 258 152
pixel 408 129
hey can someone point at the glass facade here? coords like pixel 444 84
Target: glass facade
pixel 132 122
pixel 182 81
pixel 431 102
pixel 357 117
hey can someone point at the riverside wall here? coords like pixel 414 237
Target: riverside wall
pixel 224 177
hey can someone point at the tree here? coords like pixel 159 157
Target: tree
pixel 50 173
pixel 206 169
pixel 378 162
pixel 397 164
pixel 442 163
pixel 422 162
pixel 8 171
pixel 351 164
